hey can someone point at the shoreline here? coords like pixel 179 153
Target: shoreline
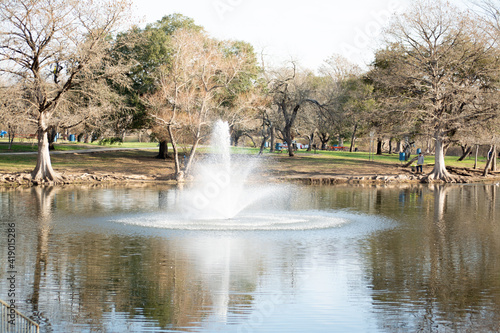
pixel 129 166
pixel 462 176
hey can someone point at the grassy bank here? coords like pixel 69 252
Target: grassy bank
pixel 143 162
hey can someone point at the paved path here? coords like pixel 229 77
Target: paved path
pixel 78 151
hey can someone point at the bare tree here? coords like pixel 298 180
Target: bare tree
pixel 190 94
pixel 348 99
pixel 439 66
pixel 13 112
pixel 290 90
pixel 54 47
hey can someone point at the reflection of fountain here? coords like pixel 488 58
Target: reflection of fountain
pixel 219 191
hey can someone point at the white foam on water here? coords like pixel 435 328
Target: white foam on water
pixel 302 220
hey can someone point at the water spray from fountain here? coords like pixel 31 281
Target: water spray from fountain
pixel 224 196
pixel 220 190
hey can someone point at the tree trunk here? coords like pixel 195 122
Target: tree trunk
pixel 353 137
pixel 490 159
pixel 475 159
pixel 466 150
pixel 266 133
pixel 163 150
pixel 288 139
pixel 380 142
pixel 323 138
pixel 52 133
pixel 190 158
pixel 178 173
pixel 11 139
pixel 273 139
pixel 43 170
pixel 439 172
pixel 263 144
pixel 494 159
pixel 251 139
pixel 409 162
pixel 289 122
pixel 399 147
pixel 429 146
pixel 311 140
pixel 235 139
pixel 390 145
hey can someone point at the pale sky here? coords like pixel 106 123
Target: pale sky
pixel 305 31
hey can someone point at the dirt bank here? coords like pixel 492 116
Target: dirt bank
pixel 132 167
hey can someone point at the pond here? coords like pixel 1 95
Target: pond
pixel 317 259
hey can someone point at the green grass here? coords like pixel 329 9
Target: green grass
pixel 65 146
pixel 137 145
pixel 17 147
pixel 345 157
pixel 313 159
pixel 14 163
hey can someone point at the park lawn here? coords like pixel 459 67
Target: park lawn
pixel 137 145
pixel 33 147
pixel 26 146
pixel 140 162
pixel 143 162
pixel 17 163
pixel 394 158
pixel 328 163
pixel 18 147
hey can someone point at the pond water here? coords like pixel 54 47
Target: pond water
pixel 318 259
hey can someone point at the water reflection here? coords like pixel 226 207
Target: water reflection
pixel 444 275
pixel 43 199
pixel 436 268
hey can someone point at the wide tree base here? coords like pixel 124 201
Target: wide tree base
pixel 180 177
pixel 38 176
pixel 440 176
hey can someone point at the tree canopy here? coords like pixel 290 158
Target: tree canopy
pixel 80 64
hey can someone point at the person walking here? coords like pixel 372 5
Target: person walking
pixel 420 162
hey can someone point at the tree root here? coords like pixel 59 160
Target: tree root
pixel 38 178
pixel 440 176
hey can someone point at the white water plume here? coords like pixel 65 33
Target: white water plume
pixel 220 189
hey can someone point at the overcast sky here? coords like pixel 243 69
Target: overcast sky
pixel 306 31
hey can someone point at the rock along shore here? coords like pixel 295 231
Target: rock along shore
pixel 460 175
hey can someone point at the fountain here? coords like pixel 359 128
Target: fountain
pixel 220 190
pixel 221 197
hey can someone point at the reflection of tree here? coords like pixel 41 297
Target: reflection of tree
pixel 441 271
pixel 84 276
pixel 151 277
pixel 439 266
pixel 43 200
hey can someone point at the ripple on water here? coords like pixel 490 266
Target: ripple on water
pixel 301 220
